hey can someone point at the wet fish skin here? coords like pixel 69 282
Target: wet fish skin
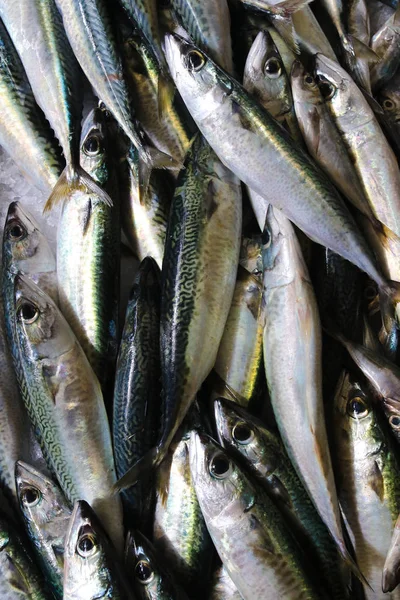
pixel 91 570
pixel 390 575
pixel 24 131
pixel 263 453
pixel 367 475
pixel 65 404
pixel 385 43
pixel 248 531
pixel 231 121
pixel 88 248
pixel 322 138
pixel 358 26
pixel 46 515
pixel 137 389
pixel 19 577
pixel 223 587
pixel 389 99
pixel 150 579
pixel 180 534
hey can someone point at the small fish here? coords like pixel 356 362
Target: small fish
pixel 24 131
pixel 46 514
pixel 91 570
pixel 197 287
pixel 247 529
pixel 386 43
pixel 19 577
pixel 150 579
pixel 137 390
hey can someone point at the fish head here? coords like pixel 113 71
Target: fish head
pixel 353 414
pixel 304 86
pixel 265 76
pixel 43 505
pixel 199 81
pixel 336 87
pixel 241 434
pixel 86 573
pixel 221 487
pixel 94 147
pixel 390 101
pixel 141 562
pixel 25 248
pixel 42 329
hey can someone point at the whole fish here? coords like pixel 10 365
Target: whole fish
pixel 248 531
pixel 88 27
pixel 137 390
pixel 150 579
pixel 292 344
pixel 180 534
pixel 206 213
pixel 37 32
pixel 355 121
pixel 247 138
pixel 208 25
pixel 389 99
pixel 66 405
pixel 386 43
pixel 88 245
pixel 390 575
pixel 24 131
pixel 368 480
pixel 144 217
pixel 322 138
pixel 166 127
pixel 223 587
pixel 46 515
pixel 19 577
pixel 91 570
pixel 239 357
pixel 266 79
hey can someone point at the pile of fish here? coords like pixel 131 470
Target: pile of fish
pixel 232 429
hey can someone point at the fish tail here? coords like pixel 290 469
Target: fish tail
pixel 148 462
pixel 71 180
pixel 151 158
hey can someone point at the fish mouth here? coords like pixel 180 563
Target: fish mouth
pixel 297 69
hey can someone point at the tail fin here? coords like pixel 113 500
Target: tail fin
pixel 148 462
pixel 76 179
pixel 152 158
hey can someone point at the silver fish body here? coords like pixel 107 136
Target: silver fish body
pixel 385 43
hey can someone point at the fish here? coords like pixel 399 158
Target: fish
pixel 385 43
pixel 91 571
pixel 88 247
pixel 358 28
pixel 89 30
pixel 180 534
pixel 390 575
pixel 150 579
pixel 248 531
pixel 266 79
pixel 322 138
pixel 335 11
pixel 367 475
pixel 246 138
pixel 168 129
pixel 20 579
pixel 292 344
pixel 65 404
pixel 206 213
pixel 24 131
pixel 46 515
pixel 379 13
pixel 239 359
pixel 137 390
pixel 223 587
pixel 38 35
pixel 208 25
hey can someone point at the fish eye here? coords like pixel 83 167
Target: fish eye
pixel 394 422
pixel 92 145
pixel 220 466
pixel 143 572
pixel 194 60
pixel 242 433
pixel 388 104
pixel 257 272
pixel 87 545
pixel 28 312
pixel 327 90
pixel 16 232
pixel 266 238
pixel 357 408
pixel 370 291
pixel 31 496
pixel 273 68
pixel 309 79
